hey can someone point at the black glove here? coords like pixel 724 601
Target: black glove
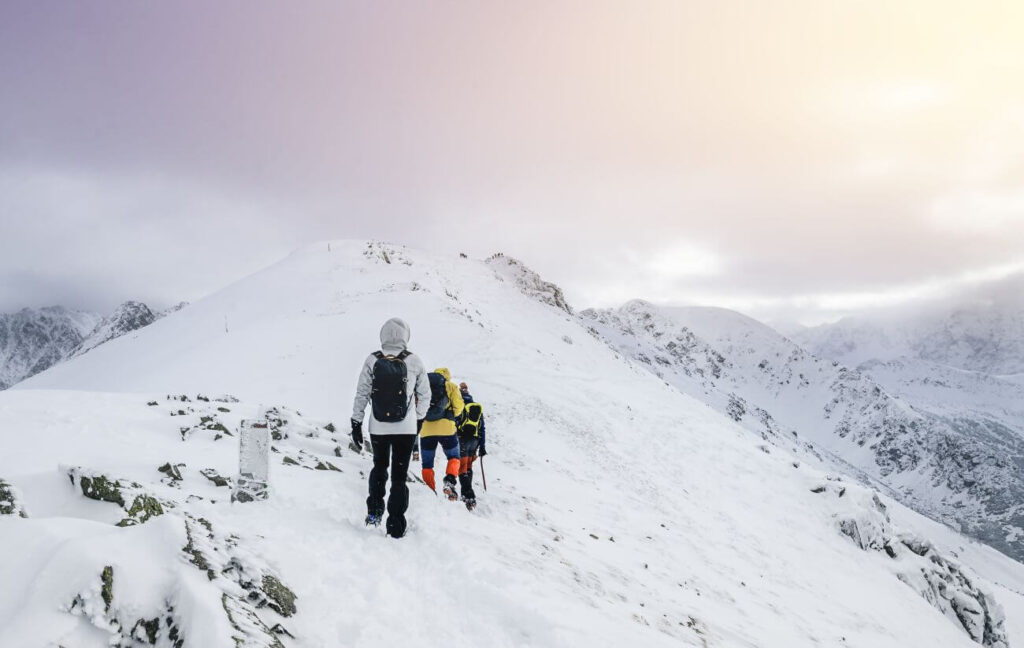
pixel 357 432
pixel 419 425
pixel 482 452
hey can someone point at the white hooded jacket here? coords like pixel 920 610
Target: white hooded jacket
pixel 394 338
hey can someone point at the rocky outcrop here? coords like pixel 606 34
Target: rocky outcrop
pixel 938 578
pixel 139 506
pixel 10 500
pixel 244 585
pixel 129 316
pixel 528 281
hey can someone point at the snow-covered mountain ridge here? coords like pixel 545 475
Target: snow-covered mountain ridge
pixel 129 316
pixel 958 465
pixel 619 509
pixel 33 340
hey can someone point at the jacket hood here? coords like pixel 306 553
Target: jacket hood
pixel 444 372
pixel 394 336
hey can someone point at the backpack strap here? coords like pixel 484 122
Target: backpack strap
pixel 401 356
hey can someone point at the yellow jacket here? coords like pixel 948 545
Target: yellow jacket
pixel 446 426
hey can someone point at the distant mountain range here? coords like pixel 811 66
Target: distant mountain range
pixel 948 442
pixel 983 333
pixel 33 340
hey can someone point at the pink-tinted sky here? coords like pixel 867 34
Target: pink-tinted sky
pixel 789 159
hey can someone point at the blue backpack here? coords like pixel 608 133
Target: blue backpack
pixel 439 403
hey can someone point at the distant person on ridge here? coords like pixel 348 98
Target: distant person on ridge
pixel 471 441
pixel 439 428
pixel 384 383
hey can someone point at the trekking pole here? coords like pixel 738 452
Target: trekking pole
pixel 483 473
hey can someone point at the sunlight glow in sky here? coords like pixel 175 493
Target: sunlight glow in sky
pixel 791 159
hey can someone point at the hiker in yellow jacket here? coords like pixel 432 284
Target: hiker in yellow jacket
pixel 439 428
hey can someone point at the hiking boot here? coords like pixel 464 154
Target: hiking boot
pixel 466 484
pixel 373 519
pixel 396 526
pixel 470 503
pixel 449 488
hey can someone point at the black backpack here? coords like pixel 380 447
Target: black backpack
pixel 389 392
pixel 471 418
pixel 438 397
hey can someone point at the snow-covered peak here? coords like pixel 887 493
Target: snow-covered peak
pixel 528 281
pixel 129 316
pixel 31 340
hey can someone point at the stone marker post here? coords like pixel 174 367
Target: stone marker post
pixel 253 478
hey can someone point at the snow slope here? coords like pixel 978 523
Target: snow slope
pixel 947 447
pixel 618 510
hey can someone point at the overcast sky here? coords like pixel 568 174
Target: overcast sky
pixel 788 159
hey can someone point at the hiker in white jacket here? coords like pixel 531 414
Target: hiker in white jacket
pixel 397 412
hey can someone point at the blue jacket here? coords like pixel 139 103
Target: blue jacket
pixel 468 398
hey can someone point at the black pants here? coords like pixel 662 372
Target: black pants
pixel 396 449
pixel 468 446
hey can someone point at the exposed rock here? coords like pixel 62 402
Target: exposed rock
pixel 529 282
pixel 139 506
pixel 282 599
pixel 100 487
pixel 129 316
pixel 107 587
pixel 215 477
pixel 126 629
pixel 142 508
pixel 222 556
pixel 10 500
pixel 172 470
pixel 939 579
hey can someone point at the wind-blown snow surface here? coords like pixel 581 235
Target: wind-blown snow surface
pixel 618 510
